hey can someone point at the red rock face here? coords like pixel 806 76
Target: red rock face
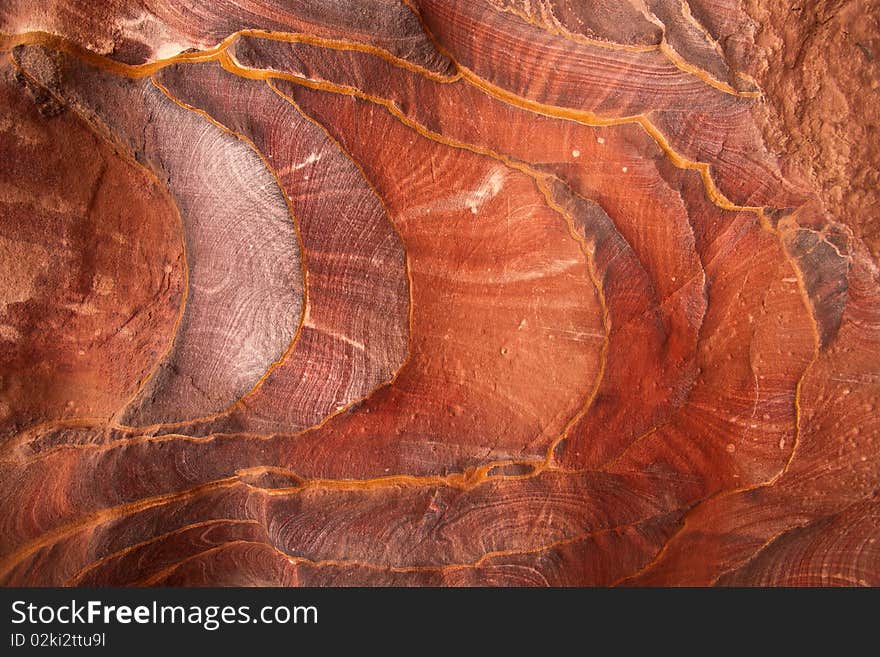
pixel 429 292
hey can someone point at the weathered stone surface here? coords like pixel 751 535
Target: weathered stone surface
pixel 438 292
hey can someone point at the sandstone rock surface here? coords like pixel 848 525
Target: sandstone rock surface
pixel 439 292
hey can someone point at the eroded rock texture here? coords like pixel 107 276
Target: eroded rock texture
pixel 438 292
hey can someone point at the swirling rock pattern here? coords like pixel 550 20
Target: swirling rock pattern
pixel 429 292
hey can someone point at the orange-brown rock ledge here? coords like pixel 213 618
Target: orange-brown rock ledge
pixel 439 292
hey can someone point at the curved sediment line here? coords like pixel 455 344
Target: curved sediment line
pixel 593 120
pixel 407 266
pixel 425 568
pixel 134 71
pixel 126 156
pixel 56 42
pixel 734 491
pixel 584 247
pixel 220 53
pixel 121 511
pixel 662 47
pixel 348 563
pixel 82 572
pixel 811 522
pixel 795 443
pixel 685 8
pixel 303 269
pixel 588 250
pixel 114 424
pixel 703 169
pixel 586 118
pixel 53 536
